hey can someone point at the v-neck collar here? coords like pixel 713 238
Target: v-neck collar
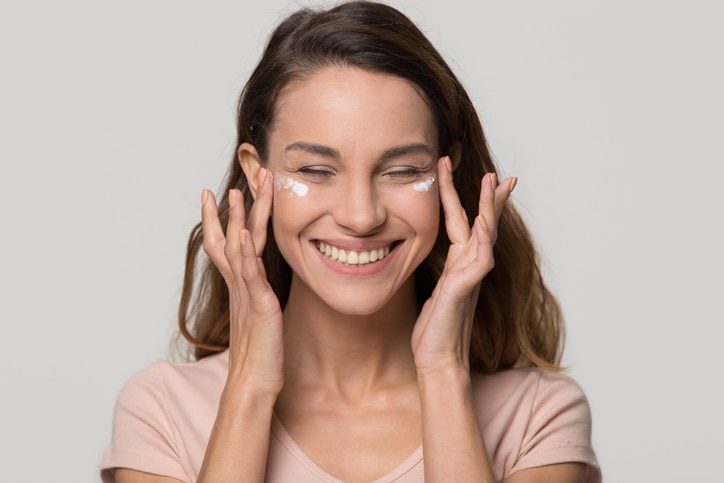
pixel 296 451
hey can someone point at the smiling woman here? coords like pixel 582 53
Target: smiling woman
pixel 371 307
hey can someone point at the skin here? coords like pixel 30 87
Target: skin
pixel 351 362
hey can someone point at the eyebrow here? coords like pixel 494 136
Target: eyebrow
pixel 313 149
pixel 407 149
pixel 328 152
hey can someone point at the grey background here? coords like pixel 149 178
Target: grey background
pixel 114 116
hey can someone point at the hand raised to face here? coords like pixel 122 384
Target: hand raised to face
pixel 442 333
pixel 256 337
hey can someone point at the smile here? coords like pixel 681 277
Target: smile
pixel 351 257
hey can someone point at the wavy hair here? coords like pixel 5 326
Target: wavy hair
pixel 517 320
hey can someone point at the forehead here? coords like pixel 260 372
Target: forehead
pixel 348 107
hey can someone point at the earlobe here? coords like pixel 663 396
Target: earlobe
pixel 250 163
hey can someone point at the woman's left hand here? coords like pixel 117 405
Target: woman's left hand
pixel 441 337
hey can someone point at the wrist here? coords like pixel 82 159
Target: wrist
pixel 442 380
pixel 249 397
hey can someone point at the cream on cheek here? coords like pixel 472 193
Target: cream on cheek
pixel 416 204
pixel 292 186
pixel 295 206
pixel 424 186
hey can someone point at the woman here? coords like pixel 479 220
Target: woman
pixel 371 308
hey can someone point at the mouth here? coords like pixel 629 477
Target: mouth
pixel 353 257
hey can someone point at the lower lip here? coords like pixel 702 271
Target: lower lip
pixel 367 269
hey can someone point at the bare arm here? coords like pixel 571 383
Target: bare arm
pixel 239 441
pixel 453 445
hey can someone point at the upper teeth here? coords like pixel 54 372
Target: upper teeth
pixel 352 257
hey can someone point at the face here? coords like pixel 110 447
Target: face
pixel 356 204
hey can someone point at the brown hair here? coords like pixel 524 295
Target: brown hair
pixel 517 320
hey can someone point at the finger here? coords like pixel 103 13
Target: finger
pixel 232 249
pixel 213 235
pixel 251 267
pixel 493 199
pixel 481 247
pixel 486 203
pixel 456 221
pixel 261 211
pixel 502 194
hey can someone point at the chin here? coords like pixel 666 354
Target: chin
pixel 366 299
pixel 353 306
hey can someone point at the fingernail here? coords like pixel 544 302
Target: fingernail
pixel 232 198
pixel 262 176
pixel 494 181
pixel 204 196
pixel 448 163
pixel 242 237
pixel 513 182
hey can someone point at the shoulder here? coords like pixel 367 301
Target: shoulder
pixel 530 399
pixel 163 417
pixel 164 381
pixel 525 379
pixel 534 417
pixel 528 388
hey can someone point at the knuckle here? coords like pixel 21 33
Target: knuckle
pixel 248 273
pixel 209 245
pixel 228 252
pixel 488 264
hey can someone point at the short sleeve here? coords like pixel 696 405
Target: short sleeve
pixel 559 427
pixel 143 435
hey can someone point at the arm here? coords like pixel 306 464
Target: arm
pixel 239 441
pixel 232 451
pixel 453 445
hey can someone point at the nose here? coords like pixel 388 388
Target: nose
pixel 359 208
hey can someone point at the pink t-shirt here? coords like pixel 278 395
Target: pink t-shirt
pixel 164 416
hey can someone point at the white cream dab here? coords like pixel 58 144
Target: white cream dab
pixel 298 188
pixel 424 186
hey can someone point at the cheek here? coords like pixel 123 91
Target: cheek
pixel 427 215
pixel 290 197
pixel 419 205
pixel 288 212
pixel 295 206
pixel 423 196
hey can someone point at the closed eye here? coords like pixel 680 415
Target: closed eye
pixel 315 172
pixel 405 172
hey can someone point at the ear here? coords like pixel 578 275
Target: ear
pixel 250 163
pixel 455 152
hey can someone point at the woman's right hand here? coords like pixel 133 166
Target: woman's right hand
pixel 256 357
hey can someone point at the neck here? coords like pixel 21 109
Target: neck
pixel 349 357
